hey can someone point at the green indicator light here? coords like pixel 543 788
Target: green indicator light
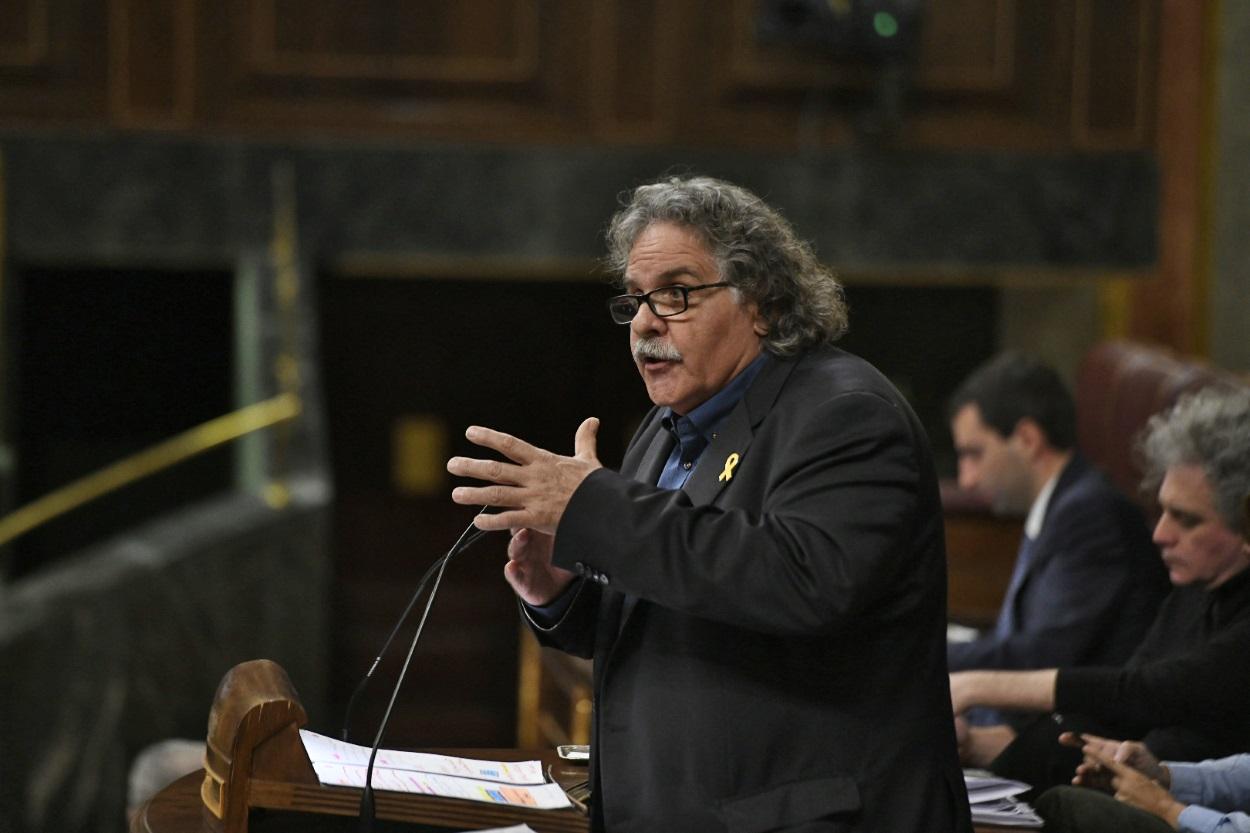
pixel 885 24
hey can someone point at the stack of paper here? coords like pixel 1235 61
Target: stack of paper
pixel 517 783
pixel 994 801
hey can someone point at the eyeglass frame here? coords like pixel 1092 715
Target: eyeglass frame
pixel 645 297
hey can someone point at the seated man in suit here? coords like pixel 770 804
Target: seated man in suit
pixel 1087 581
pixel 761 586
pixel 1183 691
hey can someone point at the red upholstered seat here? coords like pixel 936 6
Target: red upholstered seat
pixel 1119 386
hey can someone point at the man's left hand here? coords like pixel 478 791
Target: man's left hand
pixel 1134 788
pixel 532 490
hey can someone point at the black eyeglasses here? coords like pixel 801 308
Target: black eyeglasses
pixel 665 301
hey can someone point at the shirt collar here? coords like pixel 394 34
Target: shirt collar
pixel 1037 512
pixel 706 417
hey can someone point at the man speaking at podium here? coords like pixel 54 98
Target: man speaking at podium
pixel 762 586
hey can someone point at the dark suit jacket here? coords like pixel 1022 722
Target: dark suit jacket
pixel 1092 586
pixel 780 663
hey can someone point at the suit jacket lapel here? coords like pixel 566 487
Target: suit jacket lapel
pixel 734 437
pixel 717 465
pixel 1072 472
pixel 657 444
pixel 653 459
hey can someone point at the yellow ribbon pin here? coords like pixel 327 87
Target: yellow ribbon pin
pixel 731 462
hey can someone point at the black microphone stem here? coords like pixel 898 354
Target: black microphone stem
pixel 366 800
pixel 467 538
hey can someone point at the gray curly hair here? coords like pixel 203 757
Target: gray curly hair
pixel 756 251
pixel 1210 429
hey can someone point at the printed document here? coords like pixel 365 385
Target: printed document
pixel 515 783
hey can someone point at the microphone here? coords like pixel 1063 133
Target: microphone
pixel 470 536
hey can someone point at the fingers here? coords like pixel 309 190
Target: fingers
pixel 506 444
pixel 586 439
pixel 1103 746
pixel 492 471
pixel 1098 757
pixel 508 496
pixel 1074 739
pixel 520 548
pixel 496 522
pixel 527 542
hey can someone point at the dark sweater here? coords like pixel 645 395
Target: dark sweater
pixel 1183 692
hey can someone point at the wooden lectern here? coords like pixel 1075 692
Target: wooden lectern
pixel 257 776
pixel 255 760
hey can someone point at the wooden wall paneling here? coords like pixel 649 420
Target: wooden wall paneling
pixel 1113 73
pixel 24 34
pixel 989 73
pixel 485 41
pixel 992 73
pixel 480 69
pixel 1168 308
pixel 633 50
pixel 957 57
pixel 152 60
pixel 52 62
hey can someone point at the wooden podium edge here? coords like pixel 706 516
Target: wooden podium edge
pixel 408 807
pixel 255 759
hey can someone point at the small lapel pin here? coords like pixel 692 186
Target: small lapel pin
pixel 731 462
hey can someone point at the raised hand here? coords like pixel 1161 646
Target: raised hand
pixel 534 488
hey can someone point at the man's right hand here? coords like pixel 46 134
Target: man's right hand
pixel 529 569
pixel 1131 753
pixel 1135 787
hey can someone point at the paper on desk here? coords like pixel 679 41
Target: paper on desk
pixel 501 782
pixel 993 800
pixel 960 633
pixel 985 786
pixel 1006 812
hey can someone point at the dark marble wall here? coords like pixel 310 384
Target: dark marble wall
pixel 124 645
pixel 114 198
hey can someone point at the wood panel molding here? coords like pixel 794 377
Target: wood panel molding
pixel 1112 69
pixel 1074 74
pixel 988 73
pixel 499 70
pixel 515 63
pixel 967 46
pixel 151 47
pixel 24 34
pixel 947 43
pixel 52 62
pixel 633 94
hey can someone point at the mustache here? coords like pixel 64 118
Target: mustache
pixel 656 349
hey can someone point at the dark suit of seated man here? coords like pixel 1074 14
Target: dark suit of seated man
pixel 1183 691
pixel 761 586
pixel 1087 581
